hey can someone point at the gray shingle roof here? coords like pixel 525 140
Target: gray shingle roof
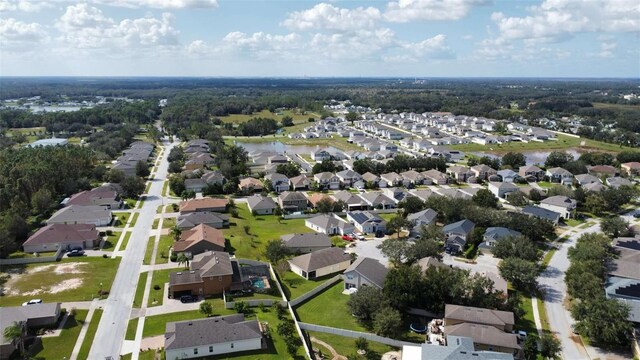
pixel 459 227
pixel 319 259
pixel 371 269
pixel 560 201
pixel 306 240
pixel 541 213
pixel 214 330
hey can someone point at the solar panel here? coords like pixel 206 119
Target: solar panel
pixel 359 217
pixel 632 290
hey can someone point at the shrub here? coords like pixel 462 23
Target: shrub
pixel 173 257
pixel 109 232
pixel 156 287
pixel 104 256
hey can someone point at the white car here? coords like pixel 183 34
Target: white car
pixel 32 302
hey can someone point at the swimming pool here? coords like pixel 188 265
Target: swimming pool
pixel 260 283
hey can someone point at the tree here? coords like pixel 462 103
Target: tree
pixel 614 226
pixel 485 198
pixel 175 167
pixel 286 121
pixel 557 159
pixel 366 302
pixel 576 167
pixel 275 251
pixel 241 307
pixel 206 308
pixel 183 259
pixel 530 347
pixel 550 346
pixel 521 273
pixel 515 246
pixel 388 322
pixel 422 248
pixel 517 198
pixel 325 205
pixel 362 344
pixel 115 176
pixel 41 201
pixel 411 205
pixel 142 169
pixel 176 232
pixel 397 223
pixel 535 195
pixel 432 232
pixel 285 328
pixel 595 203
pixel 403 286
pixel 16 331
pixel 513 160
pixel 132 187
pixel 188 194
pixel 351 116
pixel 289 170
pixel 176 184
pixel 603 321
pixel 394 249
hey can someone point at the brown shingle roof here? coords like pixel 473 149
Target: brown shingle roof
pixel 483 334
pixel 478 315
pixel 62 233
pixel 199 234
pixel 206 203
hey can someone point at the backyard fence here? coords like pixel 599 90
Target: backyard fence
pixel 309 294
pixel 34 260
pixel 305 342
pixel 341 213
pixel 354 334
pixel 254 303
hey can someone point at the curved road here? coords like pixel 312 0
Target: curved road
pixel 113 324
pixel 555 290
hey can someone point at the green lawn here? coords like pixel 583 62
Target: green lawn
pixel 165 187
pixel 298 117
pixel 149 252
pixel 345 346
pixel 542 311
pixel 293 285
pixel 134 219
pixel 527 322
pixel 111 240
pixel 261 229
pixel 155 325
pixel 159 278
pixel 142 281
pixel 146 189
pixel 573 222
pixel 168 223
pixel 91 333
pixel 563 142
pixel 164 246
pixel 545 184
pixel 125 241
pixel 131 203
pixel 30 280
pixel 122 219
pixel 132 326
pixel 155 223
pixel 60 347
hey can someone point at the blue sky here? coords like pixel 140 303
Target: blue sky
pixel 412 38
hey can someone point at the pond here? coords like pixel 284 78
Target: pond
pixel 280 148
pixel 532 157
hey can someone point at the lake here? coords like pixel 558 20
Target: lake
pixel 280 148
pixel 532 157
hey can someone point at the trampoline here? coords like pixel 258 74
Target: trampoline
pixel 418 328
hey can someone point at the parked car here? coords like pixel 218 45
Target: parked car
pixel 636 215
pixel 347 238
pixel 74 253
pixel 188 299
pixel 78 248
pixel 32 302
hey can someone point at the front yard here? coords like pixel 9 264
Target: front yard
pixel 76 279
pixel 159 278
pixel 60 347
pixel 121 219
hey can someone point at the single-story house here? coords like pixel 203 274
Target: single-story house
pixel 77 214
pixel 617 182
pixel 456 314
pixel 212 336
pixel 320 263
pixel 584 179
pixel 631 168
pixel 506 175
pixel 485 337
pixel 493 234
pixel 456 347
pixel 434 176
pixel 374 180
pixel 502 189
pixel 541 213
pixel 300 182
pixel 249 185
pixel 364 272
pixel 66 236
pixel 422 218
pixel 306 243
pixel 602 170
pixel 98 196
pixel 199 239
pixel 329 224
pixel 563 205
pixel 366 222
pixel 204 204
pixel 36 316
pixel 261 205
pixel 378 200
pixel 213 219
pixel 195 185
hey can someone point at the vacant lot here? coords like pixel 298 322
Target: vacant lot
pixel 67 280
pixel 563 142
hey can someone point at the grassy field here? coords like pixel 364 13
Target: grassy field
pixel 132 326
pixel 162 256
pixel 111 241
pixel 149 252
pixel 297 116
pixel 125 241
pixel 142 281
pixel 85 273
pixel 60 347
pixel 131 203
pixel 293 285
pixel 134 219
pixel 122 218
pixel 616 106
pixel 337 141
pixel 261 229
pixel 168 223
pixel 155 223
pixel 91 333
pixel 159 278
pixel 563 142
pixel 329 308
pixel 346 346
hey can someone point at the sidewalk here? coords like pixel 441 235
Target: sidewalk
pixel 83 331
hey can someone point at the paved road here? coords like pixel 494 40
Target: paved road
pixel 552 283
pixel 112 327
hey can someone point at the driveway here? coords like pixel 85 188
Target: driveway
pixel 484 263
pixel 368 248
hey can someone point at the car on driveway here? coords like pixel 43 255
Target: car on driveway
pixel 188 299
pixel 347 238
pixel 32 302
pixel 74 253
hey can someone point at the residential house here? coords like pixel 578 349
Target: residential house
pixel 374 180
pixel 327 180
pixel 195 185
pixel 348 177
pixel 30 318
pixel 493 234
pixel 198 161
pixel 485 337
pixel 98 196
pixel 204 204
pixel 602 170
pixel 213 178
pixel 394 179
pixel 364 272
pixel 460 173
pixel 248 185
pixel 397 194
pixel 378 200
pixel 563 205
pixel 584 179
pixel 320 263
pixel 77 214
pixel 631 168
pixel 457 233
pixel 559 175
pixel 623 281
pixel 413 177
pixel 321 155
pixel 483 172
pixel 502 189
pixel 329 224
pixel 261 205
pixel 315 198
pixel 422 194
pixel 353 201
pixel 456 348
pixel 279 182
pixel 300 182
pixel 366 222
pixel 617 182
pixel 306 243
pixel 210 273
pixel 65 236
pixel 218 335
pixel 531 173
pixel 456 314
pixel 593 187
pixel 277 159
pixel 292 201
pixel 422 218
pixel 213 219
pixel 199 239
pixel 127 168
pixel 435 177
pixel 506 175
pixel 541 213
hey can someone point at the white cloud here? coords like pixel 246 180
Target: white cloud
pixel 84 26
pixel 359 45
pixel 160 4
pixel 607 49
pixel 416 10
pixel 23 5
pixel 261 45
pixel 16 34
pixel 329 17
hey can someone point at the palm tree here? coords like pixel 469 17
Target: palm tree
pixel 16 331
pixel 176 232
pixel 183 259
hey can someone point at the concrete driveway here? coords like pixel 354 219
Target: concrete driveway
pixel 368 248
pixel 484 263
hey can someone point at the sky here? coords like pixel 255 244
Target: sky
pixel 298 38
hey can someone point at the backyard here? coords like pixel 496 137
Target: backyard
pixel 60 347
pixel 67 280
pixel 345 346
pixel 294 285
